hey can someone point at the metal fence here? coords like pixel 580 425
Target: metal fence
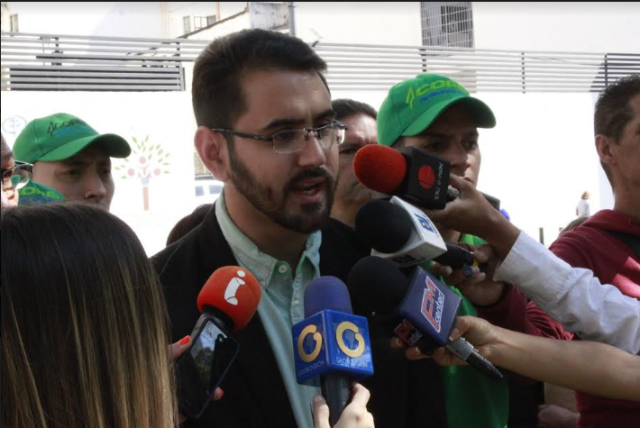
pixel 56 62
pixel 368 67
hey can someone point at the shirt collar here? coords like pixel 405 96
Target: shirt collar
pixel 248 254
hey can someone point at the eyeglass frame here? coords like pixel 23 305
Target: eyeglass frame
pixel 10 172
pixel 270 138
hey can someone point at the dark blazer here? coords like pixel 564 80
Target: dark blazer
pixel 403 393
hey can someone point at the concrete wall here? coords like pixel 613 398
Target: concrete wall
pixel 372 23
pixel 557 26
pixel 121 19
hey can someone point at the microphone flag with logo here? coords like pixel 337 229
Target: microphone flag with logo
pixel 331 343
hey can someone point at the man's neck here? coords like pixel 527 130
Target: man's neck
pixel 627 202
pixel 268 236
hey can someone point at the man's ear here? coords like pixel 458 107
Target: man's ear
pixel 606 148
pixel 212 149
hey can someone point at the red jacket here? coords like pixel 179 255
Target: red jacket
pixel 612 262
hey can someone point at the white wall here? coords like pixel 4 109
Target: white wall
pixel 580 26
pixel 166 118
pixel 122 19
pixel 371 22
pixel 176 11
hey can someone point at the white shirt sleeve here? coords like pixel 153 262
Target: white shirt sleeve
pixel 572 296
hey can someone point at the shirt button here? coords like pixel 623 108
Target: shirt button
pixel 282 269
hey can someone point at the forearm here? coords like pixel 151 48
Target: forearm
pixel 585 366
pixel 500 233
pixel 573 296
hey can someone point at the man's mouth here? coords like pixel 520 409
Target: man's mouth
pixel 309 186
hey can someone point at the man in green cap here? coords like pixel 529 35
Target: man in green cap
pixel 436 114
pixel 71 157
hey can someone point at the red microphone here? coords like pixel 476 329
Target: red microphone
pixel 233 292
pixel 379 168
pixel 228 301
pixel 410 173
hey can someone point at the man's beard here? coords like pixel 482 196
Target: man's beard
pixel 261 197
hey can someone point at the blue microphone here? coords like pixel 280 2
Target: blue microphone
pixel 425 307
pixel 331 343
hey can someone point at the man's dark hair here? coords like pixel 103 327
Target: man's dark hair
pixel 216 93
pixel 346 108
pixel 613 111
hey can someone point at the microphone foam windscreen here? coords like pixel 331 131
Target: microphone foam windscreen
pixel 383 226
pixel 234 291
pixel 378 284
pixel 379 168
pixel 326 292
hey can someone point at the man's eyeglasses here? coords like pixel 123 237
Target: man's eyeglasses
pixel 294 140
pixel 19 175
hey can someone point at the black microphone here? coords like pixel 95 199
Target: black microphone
pixel 425 307
pixel 403 234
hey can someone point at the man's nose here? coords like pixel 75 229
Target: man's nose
pixel 94 188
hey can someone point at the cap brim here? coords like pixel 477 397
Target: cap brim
pixel 481 113
pixel 113 145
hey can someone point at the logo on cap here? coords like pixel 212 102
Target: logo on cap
pixel 426 91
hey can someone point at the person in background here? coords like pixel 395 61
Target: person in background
pixel 438 115
pixel 15 174
pixel 188 223
pixel 360 119
pixel 584 209
pixel 608 243
pixel 71 157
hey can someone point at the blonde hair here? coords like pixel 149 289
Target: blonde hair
pixel 84 325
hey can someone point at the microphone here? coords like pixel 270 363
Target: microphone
pixel 411 173
pixel 403 234
pixel 227 302
pixel 427 308
pixel 331 343
pixel 231 295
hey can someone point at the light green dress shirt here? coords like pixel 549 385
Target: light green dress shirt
pixel 282 303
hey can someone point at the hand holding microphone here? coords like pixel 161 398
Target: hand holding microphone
pixel 410 173
pixel 227 301
pixel 399 232
pixel 355 415
pixel 471 213
pixel 424 307
pixel 331 343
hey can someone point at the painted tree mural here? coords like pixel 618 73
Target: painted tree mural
pixel 146 161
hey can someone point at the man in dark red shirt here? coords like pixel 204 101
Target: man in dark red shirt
pixel 605 242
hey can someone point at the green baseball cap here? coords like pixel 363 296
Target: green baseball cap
pixel 412 106
pixel 61 136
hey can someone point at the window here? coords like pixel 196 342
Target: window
pixel 203 21
pixel 14 23
pixel 447 24
pixel 186 22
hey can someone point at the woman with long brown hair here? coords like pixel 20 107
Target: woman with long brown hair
pixel 83 323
